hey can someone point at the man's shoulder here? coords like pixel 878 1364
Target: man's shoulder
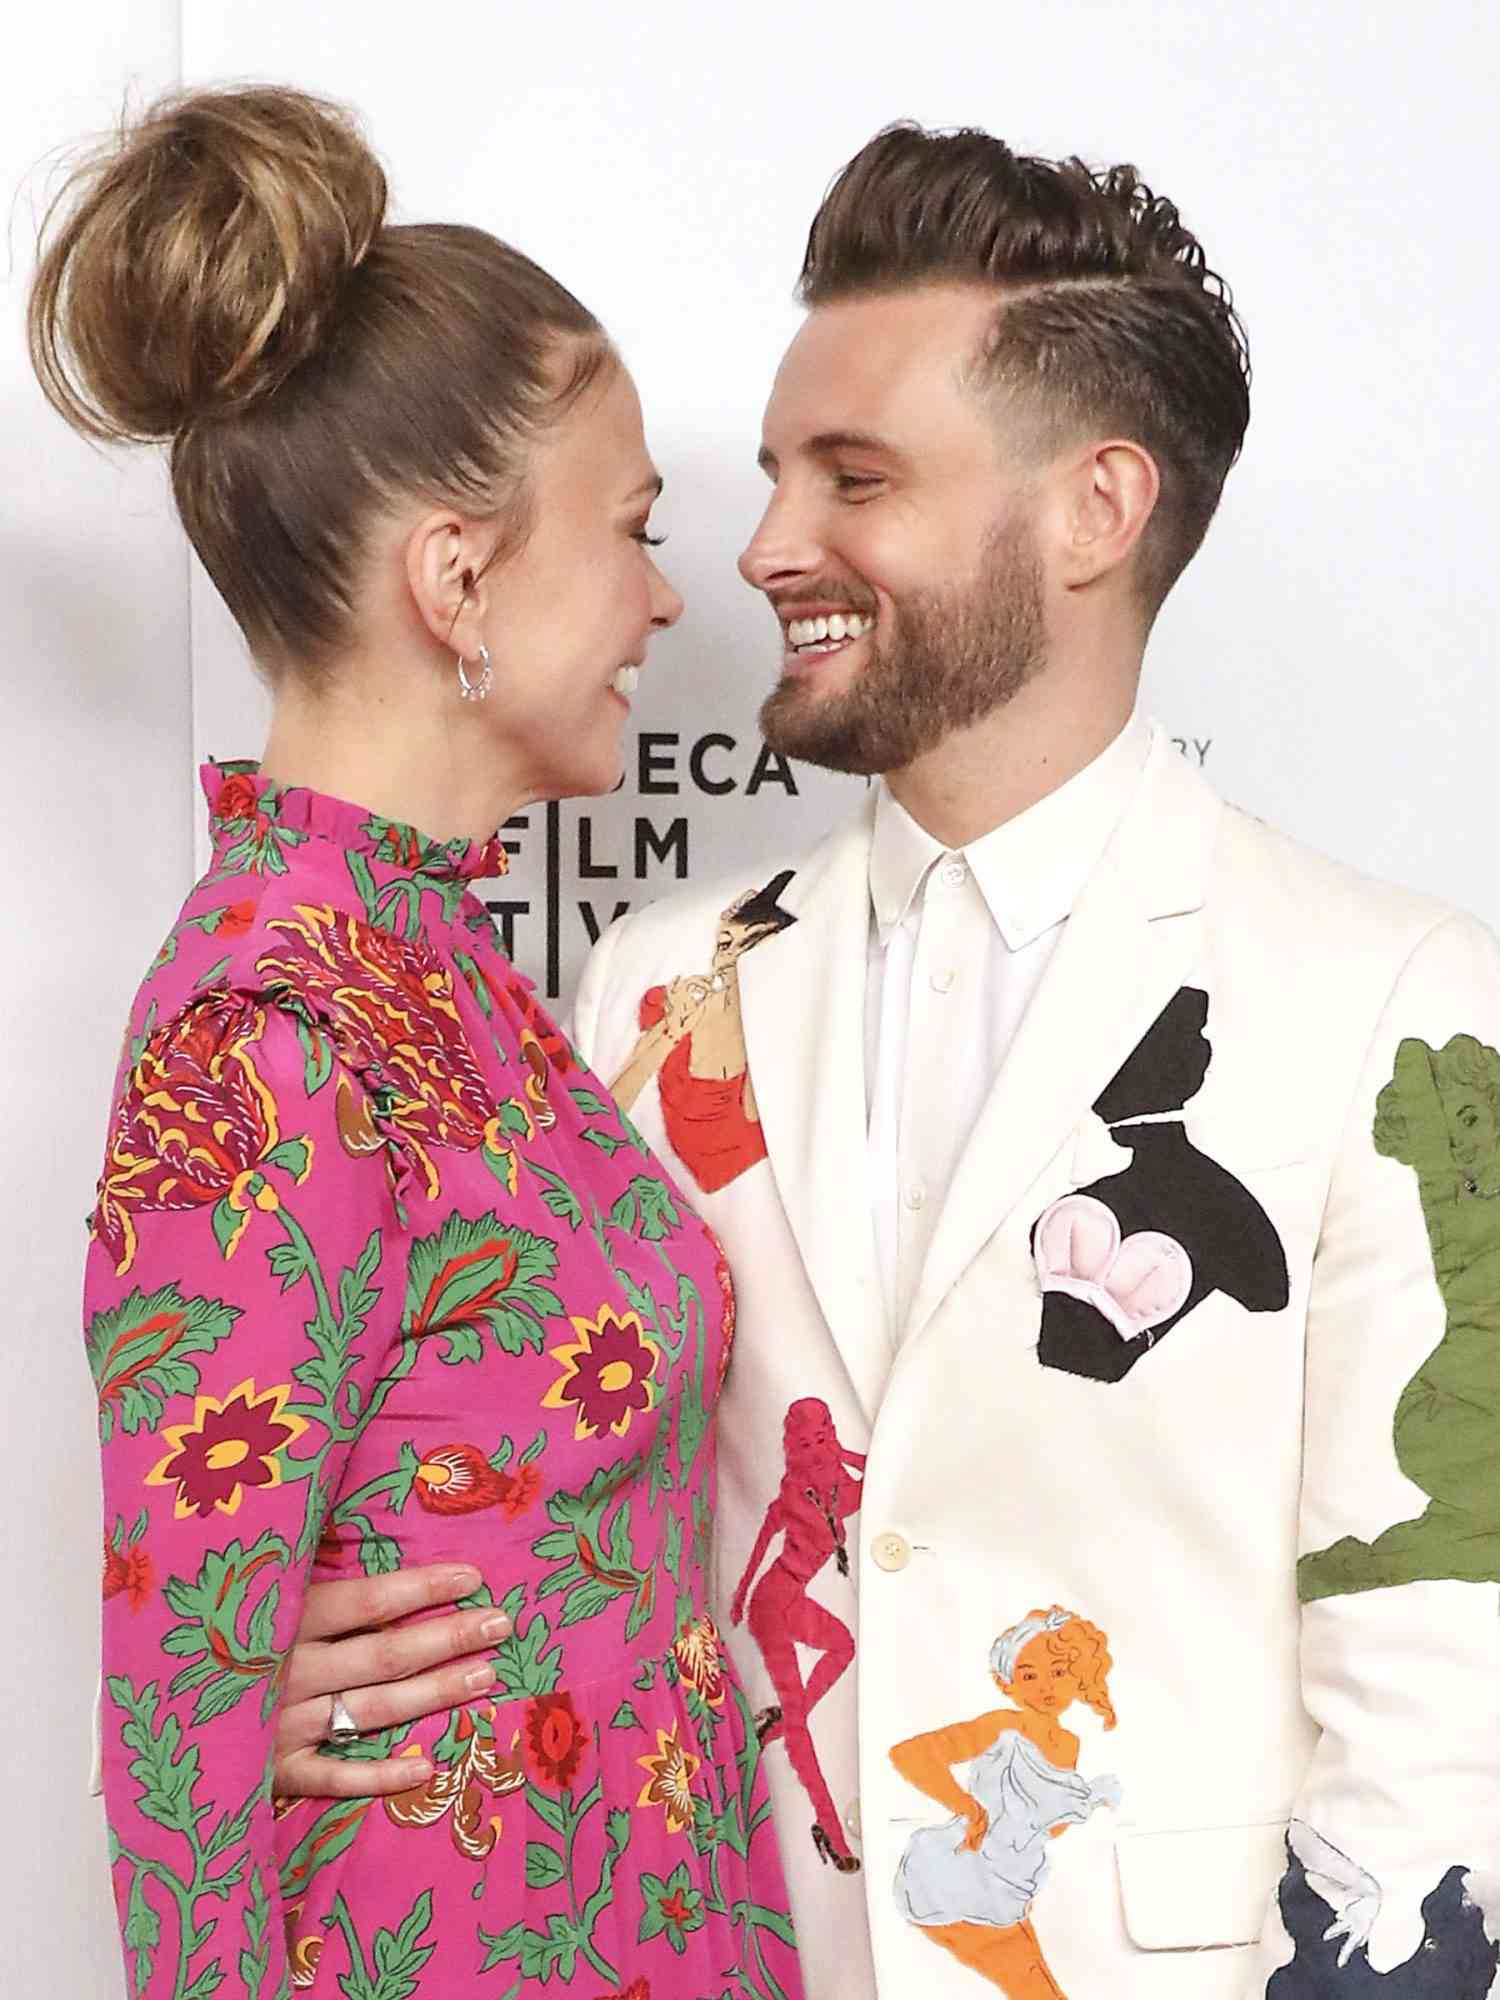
pixel 1334 902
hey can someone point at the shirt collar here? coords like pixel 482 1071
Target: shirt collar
pixel 1029 870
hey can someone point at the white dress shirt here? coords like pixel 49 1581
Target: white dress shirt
pixel 958 945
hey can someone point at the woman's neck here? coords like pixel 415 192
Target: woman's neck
pixel 424 770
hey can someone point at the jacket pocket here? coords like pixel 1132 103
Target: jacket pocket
pixel 1184 1888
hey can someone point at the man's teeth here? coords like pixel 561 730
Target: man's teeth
pixel 815 631
pixel 626 680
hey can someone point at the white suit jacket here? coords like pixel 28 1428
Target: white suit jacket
pixel 1199 1399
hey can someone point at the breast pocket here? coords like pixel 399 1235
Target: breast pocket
pixel 1187 1888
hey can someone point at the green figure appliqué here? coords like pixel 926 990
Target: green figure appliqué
pixel 1440 1115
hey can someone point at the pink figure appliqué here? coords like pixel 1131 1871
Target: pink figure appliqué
pixel 820 1489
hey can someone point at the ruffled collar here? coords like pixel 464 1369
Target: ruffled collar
pixel 242 805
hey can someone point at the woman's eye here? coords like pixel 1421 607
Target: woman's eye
pixel 854 482
pixel 647 540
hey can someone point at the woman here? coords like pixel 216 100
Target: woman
pixel 378 1272
pixel 970 1882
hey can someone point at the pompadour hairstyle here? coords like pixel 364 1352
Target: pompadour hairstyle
pixel 1108 319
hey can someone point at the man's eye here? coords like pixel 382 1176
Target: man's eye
pixel 852 482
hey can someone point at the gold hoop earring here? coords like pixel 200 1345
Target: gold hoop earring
pixel 477 689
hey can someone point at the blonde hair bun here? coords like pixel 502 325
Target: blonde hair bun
pixel 192 263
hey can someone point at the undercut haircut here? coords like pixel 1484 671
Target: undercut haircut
pixel 1108 320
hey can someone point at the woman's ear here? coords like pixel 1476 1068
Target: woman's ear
pixel 1108 494
pixel 445 573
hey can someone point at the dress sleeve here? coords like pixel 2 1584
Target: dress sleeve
pixel 242 1326
pixel 1394 1845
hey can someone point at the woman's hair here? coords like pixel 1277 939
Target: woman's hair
pixel 221 274
pixel 1067 1637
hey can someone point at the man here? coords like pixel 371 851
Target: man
pixel 1118 1252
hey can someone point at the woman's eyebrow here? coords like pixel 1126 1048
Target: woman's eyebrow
pixel 652 486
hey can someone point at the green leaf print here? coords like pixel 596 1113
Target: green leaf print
pixel 228 1661
pixel 590 1103
pixel 209 1980
pixel 593 1559
pixel 327 1837
pixel 673 1908
pixel 165 1772
pixel 625 1717
pixel 255 1959
pixel 522 1663
pixel 142 1932
pixel 544 1865
pixel 397 1958
pixel 646 1209
pixel 557 1196
pixel 139 1353
pixel 478 1272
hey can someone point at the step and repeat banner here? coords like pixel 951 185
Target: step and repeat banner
pixel 1328 659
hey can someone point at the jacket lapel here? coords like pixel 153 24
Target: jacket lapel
pixel 802 999
pixel 1128 945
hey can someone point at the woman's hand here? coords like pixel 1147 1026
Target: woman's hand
pixel 386 1678
pixel 979 1826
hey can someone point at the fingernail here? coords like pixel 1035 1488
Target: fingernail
pixel 498 1627
pixel 481 1677
pixel 462 1580
pixel 417 1772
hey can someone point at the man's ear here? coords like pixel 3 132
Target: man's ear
pixel 446 560
pixel 1107 494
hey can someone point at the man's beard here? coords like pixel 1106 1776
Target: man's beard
pixel 951 658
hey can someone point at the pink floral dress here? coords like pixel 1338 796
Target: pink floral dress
pixel 380 1275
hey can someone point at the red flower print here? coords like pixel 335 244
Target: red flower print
pixel 555 1740
pixel 700 1660
pixel 607 1375
pixel 525 1486
pixel 638 1989
pixel 238 798
pixel 228 1446
pixel 459 1479
pixel 128 1570
pixel 237 919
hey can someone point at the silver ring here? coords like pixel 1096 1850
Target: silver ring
pixel 342 1728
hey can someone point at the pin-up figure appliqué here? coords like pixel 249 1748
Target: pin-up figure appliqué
pixel 692 1041
pixel 820 1489
pixel 970 1882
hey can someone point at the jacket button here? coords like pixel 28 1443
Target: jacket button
pixel 891 1551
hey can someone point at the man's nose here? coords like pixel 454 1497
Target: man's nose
pixel 782 548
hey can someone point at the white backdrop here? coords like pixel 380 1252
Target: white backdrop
pixel 1329 656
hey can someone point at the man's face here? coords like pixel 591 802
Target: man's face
pixel 896 505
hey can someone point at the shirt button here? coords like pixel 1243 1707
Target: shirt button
pixel 852 1820
pixel 942 982
pixel 915 1196
pixel 891 1551
pixel 953 873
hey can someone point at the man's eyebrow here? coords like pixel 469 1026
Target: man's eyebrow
pixel 824 443
pixel 829 441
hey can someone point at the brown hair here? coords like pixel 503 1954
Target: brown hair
pixel 222 274
pixel 1110 319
